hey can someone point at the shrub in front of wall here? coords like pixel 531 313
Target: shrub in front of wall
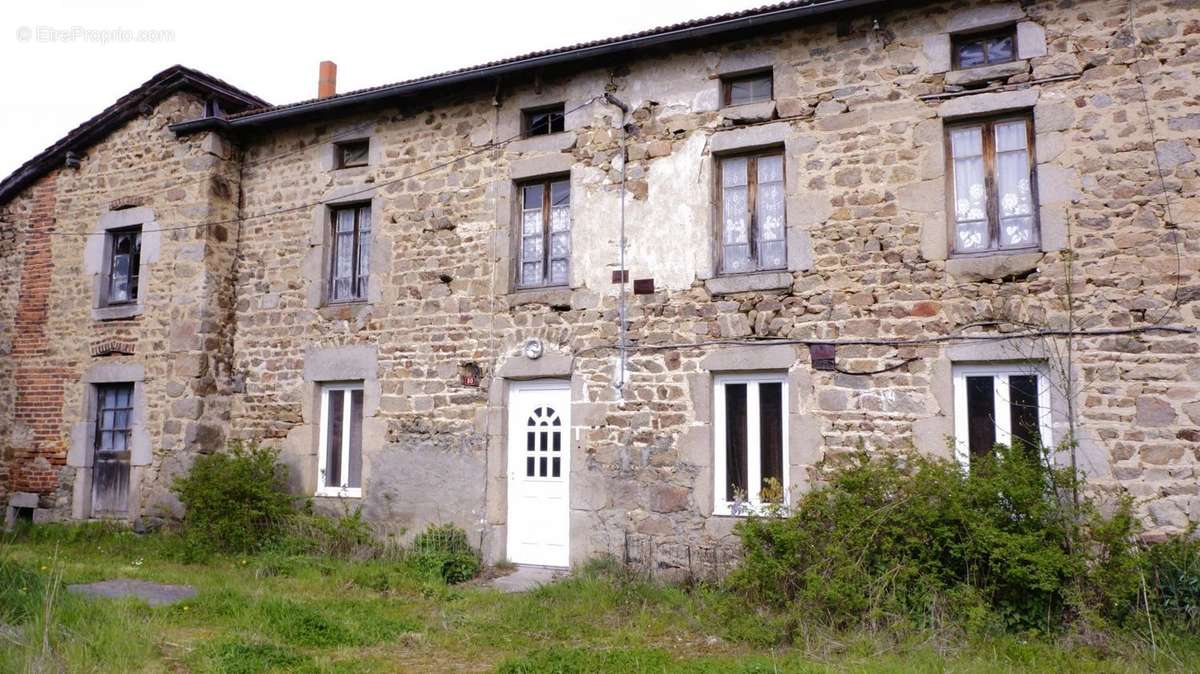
pixel 347 536
pixel 906 537
pixel 444 551
pixel 1172 572
pixel 236 501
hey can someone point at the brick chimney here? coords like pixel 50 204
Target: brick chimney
pixel 327 81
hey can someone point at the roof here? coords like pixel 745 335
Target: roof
pixel 249 111
pixel 97 128
pixel 675 34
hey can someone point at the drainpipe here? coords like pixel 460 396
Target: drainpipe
pixel 621 332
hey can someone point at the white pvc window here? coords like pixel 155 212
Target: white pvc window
pixel 751 441
pixel 339 462
pixel 999 404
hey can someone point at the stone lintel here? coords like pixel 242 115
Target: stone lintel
pixel 988 103
pixel 987 16
pixel 546 165
pixel 749 138
pixel 549 365
pixel 742 358
pixel 342 363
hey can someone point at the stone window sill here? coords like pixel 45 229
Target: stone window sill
pixel 343 311
pixel 749 113
pixel 343 494
pixel 983 74
pixel 117 312
pixel 744 283
pixel 726 511
pixel 551 142
pixel 994 266
pixel 556 296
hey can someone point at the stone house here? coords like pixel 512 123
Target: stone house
pixel 597 298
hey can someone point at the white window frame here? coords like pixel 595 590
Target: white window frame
pixel 323 433
pixel 753 502
pixel 999 372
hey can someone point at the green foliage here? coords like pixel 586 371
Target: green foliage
pixel 581 661
pixel 347 536
pixel 236 501
pixel 21 591
pixel 1172 571
pixel 443 551
pixel 910 538
pixel 325 615
pixel 238 656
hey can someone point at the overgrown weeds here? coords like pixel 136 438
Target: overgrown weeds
pixel 907 539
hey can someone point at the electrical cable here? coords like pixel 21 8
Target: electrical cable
pixel 1162 179
pixel 940 339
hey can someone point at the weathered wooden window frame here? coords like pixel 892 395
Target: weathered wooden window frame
pixel 752 205
pixel 527 128
pixel 545 182
pixel 984 36
pixel 753 498
pixel 988 124
pixel 361 243
pixel 339 150
pixel 99 452
pixel 127 429
pixel 133 275
pixel 727 82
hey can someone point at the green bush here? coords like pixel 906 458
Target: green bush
pixel 236 501
pixel 918 539
pixel 1172 571
pixel 443 551
pixel 348 536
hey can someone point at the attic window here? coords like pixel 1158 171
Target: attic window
pixel 543 121
pixel 747 88
pixel 984 49
pixel 212 108
pixel 352 153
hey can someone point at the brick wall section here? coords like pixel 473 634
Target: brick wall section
pixel 38 408
pixel 47 336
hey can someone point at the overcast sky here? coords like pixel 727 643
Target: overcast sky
pixel 64 61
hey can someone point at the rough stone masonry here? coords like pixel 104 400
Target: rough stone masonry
pixel 233 336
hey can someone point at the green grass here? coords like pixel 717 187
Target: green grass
pixel 279 613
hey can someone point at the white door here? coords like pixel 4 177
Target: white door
pixel 539 461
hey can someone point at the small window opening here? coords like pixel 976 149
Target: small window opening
pixel 984 49
pixel 352 153
pixel 749 88
pixel 124 265
pixel 543 121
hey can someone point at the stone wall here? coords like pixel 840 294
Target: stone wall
pixel 178 336
pixel 861 118
pixel 860 115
